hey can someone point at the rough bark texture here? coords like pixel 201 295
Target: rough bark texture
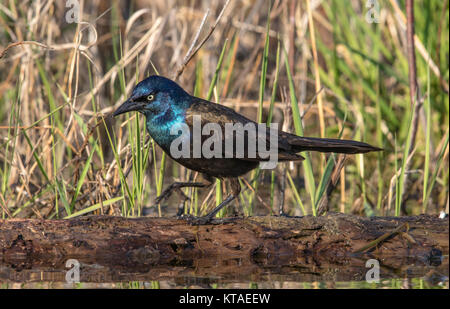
pixel 309 248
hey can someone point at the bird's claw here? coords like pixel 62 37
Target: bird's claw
pixel 193 220
pixel 285 215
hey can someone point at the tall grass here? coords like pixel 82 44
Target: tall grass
pixel 61 154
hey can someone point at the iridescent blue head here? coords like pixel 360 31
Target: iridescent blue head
pixel 155 95
pixel 163 103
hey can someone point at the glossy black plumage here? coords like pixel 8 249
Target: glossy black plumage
pixel 288 144
pixel 165 104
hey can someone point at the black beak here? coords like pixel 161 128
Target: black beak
pixel 128 106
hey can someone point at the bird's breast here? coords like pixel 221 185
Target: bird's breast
pixel 164 129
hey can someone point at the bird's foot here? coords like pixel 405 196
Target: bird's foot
pixel 285 215
pixel 194 220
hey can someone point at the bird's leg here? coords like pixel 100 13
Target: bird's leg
pixel 224 203
pixel 235 190
pixel 176 186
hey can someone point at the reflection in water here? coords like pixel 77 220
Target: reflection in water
pixel 232 273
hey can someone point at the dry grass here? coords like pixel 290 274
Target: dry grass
pixel 61 153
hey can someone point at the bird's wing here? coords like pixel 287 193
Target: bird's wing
pixel 288 144
pixel 221 115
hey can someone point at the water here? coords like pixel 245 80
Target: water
pixel 231 273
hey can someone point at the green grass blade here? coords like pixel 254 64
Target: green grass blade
pixel 94 207
pixel 307 166
pixel 328 171
pixel 296 194
pixel 436 170
pixel 275 86
pixel 216 73
pixel 36 157
pixel 262 82
pixel 61 188
pixel 84 172
pixel 325 177
pixel 401 184
pixel 426 168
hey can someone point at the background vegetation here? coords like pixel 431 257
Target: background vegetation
pixel 318 68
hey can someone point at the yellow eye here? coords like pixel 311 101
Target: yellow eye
pixel 150 97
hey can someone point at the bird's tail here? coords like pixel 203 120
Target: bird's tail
pixel 330 145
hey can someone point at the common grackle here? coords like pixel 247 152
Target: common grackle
pixel 166 106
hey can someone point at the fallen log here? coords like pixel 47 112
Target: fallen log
pixel 332 247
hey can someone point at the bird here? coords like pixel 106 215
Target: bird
pixel 166 105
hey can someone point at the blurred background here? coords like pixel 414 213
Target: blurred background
pixel 320 68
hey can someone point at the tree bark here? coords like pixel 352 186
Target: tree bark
pixel 112 249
